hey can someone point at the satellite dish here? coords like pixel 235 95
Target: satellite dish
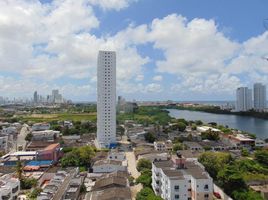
pixel 265 23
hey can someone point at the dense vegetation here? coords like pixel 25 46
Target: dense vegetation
pixel 79 128
pixel 79 157
pixel 144 166
pixel 146 115
pixel 234 175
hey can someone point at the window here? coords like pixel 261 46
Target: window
pixel 176 187
pixel 206 196
pixel 177 196
pixel 206 187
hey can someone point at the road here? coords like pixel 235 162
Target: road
pixel 134 172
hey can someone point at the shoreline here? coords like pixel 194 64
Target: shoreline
pixel 262 137
pixel 217 110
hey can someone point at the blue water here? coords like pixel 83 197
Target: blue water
pixel 249 124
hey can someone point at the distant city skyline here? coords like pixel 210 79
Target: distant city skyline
pixel 182 50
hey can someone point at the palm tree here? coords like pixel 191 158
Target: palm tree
pixel 19 170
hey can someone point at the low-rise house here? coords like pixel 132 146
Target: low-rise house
pixel 260 143
pixel 52 152
pixel 114 193
pixel 189 155
pixel 73 190
pixel 216 145
pixel 113 186
pixel 159 146
pixel 115 155
pixel 238 140
pixel 158 156
pixel 58 186
pixel 180 179
pixel 40 127
pixel 38 145
pixel 9 130
pixel 9 187
pixel 47 135
pixel 202 129
pixel 163 146
pixel 108 166
pixel 193 146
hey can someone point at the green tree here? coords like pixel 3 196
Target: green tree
pixel 86 153
pixel 19 170
pixel 244 152
pixel 180 126
pixel 194 127
pixel 147 194
pixel 231 179
pixel 28 183
pixel 149 137
pixel 29 137
pixel 214 162
pixel 144 164
pixel 183 121
pixel 262 157
pixel 145 178
pixel 246 195
pixel 35 192
pixel 198 122
pixel 177 147
pixel 80 156
pixel 210 135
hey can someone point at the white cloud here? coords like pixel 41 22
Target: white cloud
pixel 112 4
pixel 158 78
pixel 153 88
pixel 196 46
pixel 55 40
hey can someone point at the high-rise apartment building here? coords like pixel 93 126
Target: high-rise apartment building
pixel 243 99
pixel 35 99
pixel 259 91
pixel 106 100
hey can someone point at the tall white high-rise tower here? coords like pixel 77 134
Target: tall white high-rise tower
pixel 259 91
pixel 243 99
pixel 106 100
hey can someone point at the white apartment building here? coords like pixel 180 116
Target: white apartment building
pixel 259 91
pixel 9 187
pixel 106 100
pixel 243 99
pixel 179 179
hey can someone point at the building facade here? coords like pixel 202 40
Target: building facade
pixel 9 187
pixel 259 91
pixel 179 179
pixel 106 100
pixel 243 99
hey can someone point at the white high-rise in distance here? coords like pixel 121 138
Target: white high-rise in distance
pixel 243 99
pixel 106 100
pixel 259 96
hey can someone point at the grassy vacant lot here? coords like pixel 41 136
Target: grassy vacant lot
pixel 60 117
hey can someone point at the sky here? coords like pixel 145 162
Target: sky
pixel 166 49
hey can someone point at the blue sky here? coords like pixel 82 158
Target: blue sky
pixel 166 49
